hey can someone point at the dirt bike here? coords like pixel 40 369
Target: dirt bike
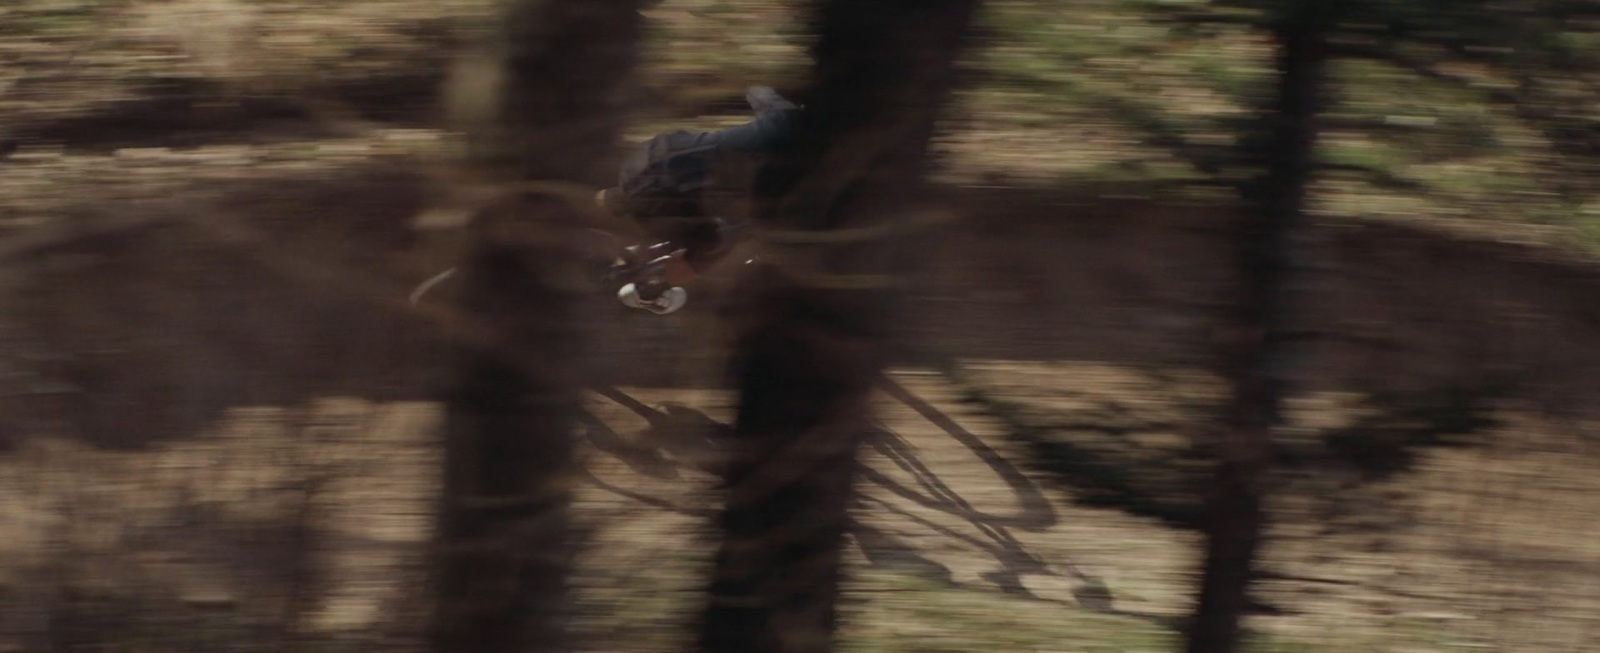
pixel 639 276
pixel 635 274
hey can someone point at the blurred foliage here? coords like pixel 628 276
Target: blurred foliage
pixel 1480 113
pixel 1474 114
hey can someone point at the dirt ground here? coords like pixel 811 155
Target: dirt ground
pixel 311 521
pixel 218 431
pixel 221 437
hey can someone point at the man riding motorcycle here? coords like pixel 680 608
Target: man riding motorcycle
pixel 662 186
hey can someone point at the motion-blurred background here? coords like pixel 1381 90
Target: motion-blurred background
pixel 221 421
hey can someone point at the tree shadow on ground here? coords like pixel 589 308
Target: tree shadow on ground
pixel 678 437
pixel 1089 453
pixel 1398 429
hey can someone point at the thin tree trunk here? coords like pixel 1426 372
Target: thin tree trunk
pixel 1235 513
pixel 812 343
pixel 543 108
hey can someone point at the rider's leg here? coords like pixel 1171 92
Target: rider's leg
pixel 704 244
pixel 692 247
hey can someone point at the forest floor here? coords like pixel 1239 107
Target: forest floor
pixel 216 443
pixel 307 524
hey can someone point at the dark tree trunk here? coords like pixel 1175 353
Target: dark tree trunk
pixel 812 338
pixel 1235 513
pixel 503 556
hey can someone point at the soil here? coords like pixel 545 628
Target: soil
pixel 219 416
pixel 219 429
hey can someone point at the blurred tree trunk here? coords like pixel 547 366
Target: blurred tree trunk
pixel 814 326
pixel 1235 516
pixel 540 103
